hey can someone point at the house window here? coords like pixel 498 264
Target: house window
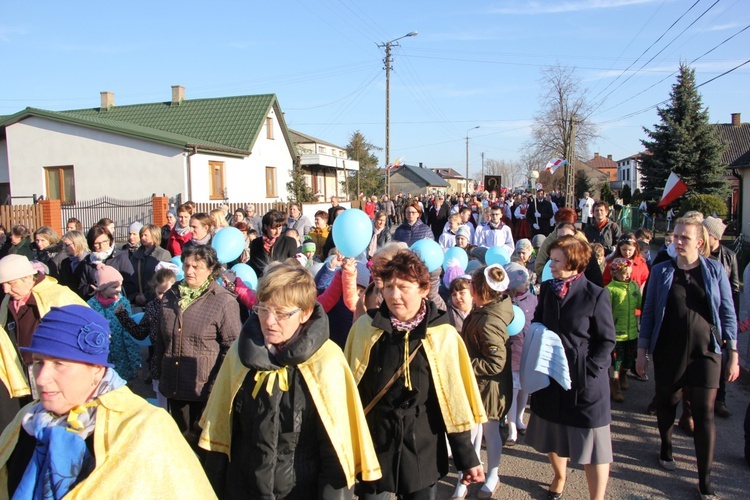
pixel 269 127
pixel 216 182
pixel 60 184
pixel 321 150
pixel 271 182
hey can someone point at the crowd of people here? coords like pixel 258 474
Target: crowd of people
pixel 365 374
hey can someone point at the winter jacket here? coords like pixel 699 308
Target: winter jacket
pixel 192 343
pixel 639 272
pixel 51 257
pixel 144 268
pixel 22 248
pixel 139 453
pixel 607 235
pixel 408 427
pixel 718 291
pixel 411 234
pixel 728 259
pixel 583 321
pixel 625 298
pixel 284 248
pixel 302 224
pixel 120 261
pixel 147 328
pixel 175 242
pixel 309 441
pixel 486 337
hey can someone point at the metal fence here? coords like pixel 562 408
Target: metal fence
pixel 28 215
pixel 260 208
pixel 122 212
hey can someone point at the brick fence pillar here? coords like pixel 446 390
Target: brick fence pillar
pixel 160 205
pixel 52 215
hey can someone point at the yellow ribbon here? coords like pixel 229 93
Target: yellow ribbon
pixel 270 376
pixel 77 411
pixel 407 374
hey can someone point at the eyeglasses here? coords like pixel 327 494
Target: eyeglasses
pixel 102 243
pixel 264 312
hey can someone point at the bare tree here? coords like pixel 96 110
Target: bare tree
pixel 562 99
pixel 513 172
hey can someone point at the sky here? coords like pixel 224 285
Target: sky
pixel 473 63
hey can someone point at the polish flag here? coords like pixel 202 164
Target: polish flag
pixel 554 164
pixel 396 163
pixel 673 190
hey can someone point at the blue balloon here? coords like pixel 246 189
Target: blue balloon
pixel 473 265
pixel 547 271
pixel 137 317
pixel 497 255
pixel 429 252
pixel 352 232
pixel 456 253
pixel 177 261
pixel 246 274
pixel 519 321
pixel 228 243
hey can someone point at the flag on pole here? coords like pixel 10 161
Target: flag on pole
pixel 554 164
pixel 673 190
pixel 396 163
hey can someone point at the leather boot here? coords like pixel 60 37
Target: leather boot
pixel 614 389
pixel 624 385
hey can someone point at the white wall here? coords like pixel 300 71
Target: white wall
pixel 104 163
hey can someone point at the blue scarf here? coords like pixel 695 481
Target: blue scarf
pixel 61 454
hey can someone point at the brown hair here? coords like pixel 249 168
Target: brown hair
pixel 288 284
pixel 204 219
pixel 323 215
pixel 626 239
pixel 577 252
pixel 48 234
pixel 459 284
pixel 566 214
pixel 482 288
pixel 186 208
pixel 402 265
pixel 415 205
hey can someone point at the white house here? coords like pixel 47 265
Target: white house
pixel 628 172
pixel 236 149
pixel 326 165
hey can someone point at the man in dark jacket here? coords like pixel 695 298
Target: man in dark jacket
pixel 539 215
pixel 602 229
pixel 437 216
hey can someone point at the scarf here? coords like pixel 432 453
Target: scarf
pixel 202 241
pixel 408 326
pixel 561 287
pixel 601 225
pixel 61 455
pixel 75 260
pixel 98 258
pixel 374 241
pixel 181 231
pixel 104 301
pixel 132 247
pixel 189 295
pixel 268 243
pixel 16 304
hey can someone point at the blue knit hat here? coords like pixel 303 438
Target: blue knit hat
pixel 76 333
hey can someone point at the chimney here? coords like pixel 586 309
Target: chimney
pixel 178 94
pixel 596 155
pixel 108 101
pixel 420 165
pixel 609 157
pixel 736 121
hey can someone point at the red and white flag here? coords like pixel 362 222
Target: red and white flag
pixel 554 164
pixel 396 163
pixel 673 190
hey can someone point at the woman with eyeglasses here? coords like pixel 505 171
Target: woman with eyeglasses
pixel 103 253
pixel 199 321
pixel 284 419
pixel 272 245
pixel 412 229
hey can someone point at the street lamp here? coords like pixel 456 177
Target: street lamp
pixel 467 156
pixel 387 61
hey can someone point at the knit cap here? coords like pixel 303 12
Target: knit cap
pixel 308 246
pixel 465 232
pixel 363 274
pixel 537 240
pixel 714 227
pixel 135 227
pixel 517 275
pixel 73 332
pixel 107 276
pixel 524 244
pixel 15 266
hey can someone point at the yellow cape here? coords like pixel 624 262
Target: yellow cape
pixel 336 398
pixel 47 294
pixel 139 453
pixel 450 365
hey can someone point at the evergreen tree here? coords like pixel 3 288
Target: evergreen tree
pixel 626 195
pixel 684 142
pixel 298 189
pixel 606 193
pixel 371 179
pixel 583 184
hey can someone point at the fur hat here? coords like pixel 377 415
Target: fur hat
pixel 15 266
pixel 106 276
pixel 73 332
pixel 714 227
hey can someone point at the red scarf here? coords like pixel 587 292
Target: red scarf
pixel 561 287
pixel 601 226
pixel 268 243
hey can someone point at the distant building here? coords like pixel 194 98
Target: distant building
pixel 736 136
pixel 629 173
pixel 409 179
pixel 326 165
pixel 457 181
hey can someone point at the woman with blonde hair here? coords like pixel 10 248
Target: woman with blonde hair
pixel 284 419
pixel 48 249
pixel 76 249
pixel 219 219
pixel 688 314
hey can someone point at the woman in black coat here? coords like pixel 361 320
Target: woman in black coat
pixel 103 253
pixel 271 245
pixel 575 423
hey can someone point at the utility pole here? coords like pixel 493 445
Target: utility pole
pixel 467 157
pixel 388 61
pixel 482 179
pixel 570 170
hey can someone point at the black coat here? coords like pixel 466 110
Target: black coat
pixel 438 218
pixel 545 218
pixel 583 320
pixel 280 448
pixel 120 261
pixel 407 426
pixel 284 248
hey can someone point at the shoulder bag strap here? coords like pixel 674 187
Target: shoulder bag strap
pixel 390 383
